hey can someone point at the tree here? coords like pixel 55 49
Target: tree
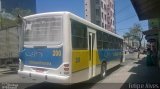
pixel 22 12
pixel 135 33
pixel 5 22
pixel 5 18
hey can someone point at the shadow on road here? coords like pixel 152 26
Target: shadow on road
pixel 83 85
pixel 142 75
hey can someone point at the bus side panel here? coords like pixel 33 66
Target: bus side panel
pixel 115 58
pixel 112 56
pixel 80 65
pixel 97 62
pixel 80 62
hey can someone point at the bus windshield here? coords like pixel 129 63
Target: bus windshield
pixel 43 30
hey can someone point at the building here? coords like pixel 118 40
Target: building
pixel 9 5
pixel 154 23
pixel 101 12
pixel 10 36
pixel 131 43
pixel 9 45
pixel 149 10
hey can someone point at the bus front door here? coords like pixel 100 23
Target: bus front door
pixel 91 47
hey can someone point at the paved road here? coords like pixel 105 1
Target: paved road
pixel 132 71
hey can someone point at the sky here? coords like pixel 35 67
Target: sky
pixel 124 12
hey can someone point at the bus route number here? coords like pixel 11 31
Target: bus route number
pixel 56 52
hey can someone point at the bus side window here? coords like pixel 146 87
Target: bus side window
pixel 99 40
pixel 79 35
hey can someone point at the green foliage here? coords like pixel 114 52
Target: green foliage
pixel 6 22
pixel 22 12
pixel 135 33
pixel 127 35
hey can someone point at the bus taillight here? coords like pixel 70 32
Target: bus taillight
pixel 66 69
pixel 66 65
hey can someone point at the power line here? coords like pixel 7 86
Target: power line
pixel 130 17
pixel 123 9
pixel 122 29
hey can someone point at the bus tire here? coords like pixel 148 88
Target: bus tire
pixel 103 70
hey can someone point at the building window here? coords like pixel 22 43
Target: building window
pixel 105 17
pixel 102 15
pixel 108 21
pixel 103 25
pixel 97 1
pixel 97 12
pixel 110 3
pixel 105 8
pixel 98 23
pixel 101 4
pixel 111 21
pixel 108 14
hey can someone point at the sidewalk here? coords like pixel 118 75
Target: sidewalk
pixel 134 72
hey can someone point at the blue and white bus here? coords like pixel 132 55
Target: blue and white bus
pixel 60 47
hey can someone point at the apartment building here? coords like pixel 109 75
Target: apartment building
pixel 101 12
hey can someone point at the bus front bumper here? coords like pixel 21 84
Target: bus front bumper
pixel 40 77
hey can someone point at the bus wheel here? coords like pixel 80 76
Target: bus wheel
pixel 103 70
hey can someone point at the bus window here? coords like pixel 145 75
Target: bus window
pixel 46 30
pixel 99 44
pixel 99 40
pixel 79 35
pixel 105 45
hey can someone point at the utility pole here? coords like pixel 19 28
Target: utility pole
pixel 115 22
pixel 1 12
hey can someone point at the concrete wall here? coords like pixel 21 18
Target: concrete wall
pixel 9 44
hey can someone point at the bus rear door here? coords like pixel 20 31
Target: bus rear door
pixel 91 48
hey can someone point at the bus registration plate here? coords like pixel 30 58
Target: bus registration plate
pixel 40 70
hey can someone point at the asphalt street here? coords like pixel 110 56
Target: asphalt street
pixel 119 77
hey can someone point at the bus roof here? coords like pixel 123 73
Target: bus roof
pixel 77 18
